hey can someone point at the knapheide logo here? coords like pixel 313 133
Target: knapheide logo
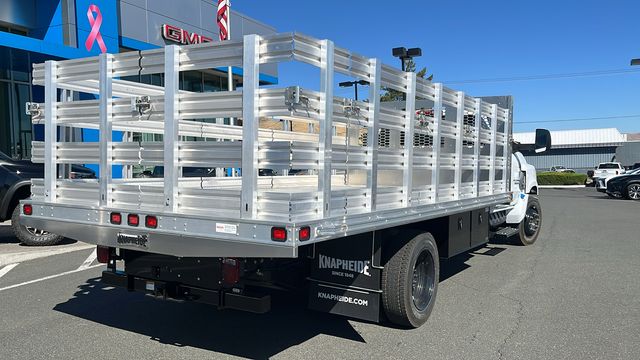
pixel 357 266
pixel 94 35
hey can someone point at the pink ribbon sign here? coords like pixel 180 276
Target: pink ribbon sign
pixel 95 23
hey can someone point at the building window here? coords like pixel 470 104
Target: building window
pixel 16 131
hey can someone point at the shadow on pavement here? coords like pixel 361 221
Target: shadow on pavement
pixel 202 326
pixel 230 332
pixel 6 235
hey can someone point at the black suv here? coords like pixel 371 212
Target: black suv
pixel 627 185
pixel 15 185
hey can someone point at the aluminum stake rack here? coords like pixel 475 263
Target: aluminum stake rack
pixel 366 165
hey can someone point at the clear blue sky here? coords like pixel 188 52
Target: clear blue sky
pixel 471 40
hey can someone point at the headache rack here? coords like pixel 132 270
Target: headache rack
pixel 303 158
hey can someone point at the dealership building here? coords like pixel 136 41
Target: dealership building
pixel 580 150
pixel 33 31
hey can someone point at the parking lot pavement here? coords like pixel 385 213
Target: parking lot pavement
pixel 575 294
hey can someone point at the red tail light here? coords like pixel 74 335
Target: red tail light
pixel 27 209
pixel 133 220
pixel 230 271
pixel 304 234
pixel 151 221
pixel 116 218
pixel 278 234
pixel 103 254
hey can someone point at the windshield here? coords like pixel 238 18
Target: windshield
pixel 609 166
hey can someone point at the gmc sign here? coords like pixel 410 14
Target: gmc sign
pixel 182 36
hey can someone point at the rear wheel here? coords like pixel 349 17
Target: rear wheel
pixel 410 282
pixel 529 227
pixel 633 191
pixel 29 235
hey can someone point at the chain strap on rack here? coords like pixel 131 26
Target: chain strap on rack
pixel 33 109
pixel 294 99
pixel 141 105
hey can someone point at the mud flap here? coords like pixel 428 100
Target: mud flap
pixel 345 277
pixel 354 303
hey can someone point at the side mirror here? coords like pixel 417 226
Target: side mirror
pixel 543 140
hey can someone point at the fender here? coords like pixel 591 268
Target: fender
pixel 6 201
pixel 516 215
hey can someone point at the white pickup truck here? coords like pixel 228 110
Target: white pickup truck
pixel 604 171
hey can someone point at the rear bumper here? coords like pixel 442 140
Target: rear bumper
pixel 170 291
pixel 177 236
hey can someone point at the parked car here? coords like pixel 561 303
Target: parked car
pixel 627 186
pixel 15 185
pixel 601 183
pixel 608 169
pixel 560 168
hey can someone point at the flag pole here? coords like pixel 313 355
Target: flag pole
pixel 229 69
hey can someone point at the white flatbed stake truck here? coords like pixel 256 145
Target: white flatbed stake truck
pixel 381 193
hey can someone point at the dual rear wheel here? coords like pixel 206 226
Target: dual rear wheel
pixel 410 281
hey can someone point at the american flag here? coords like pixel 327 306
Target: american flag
pixel 223 19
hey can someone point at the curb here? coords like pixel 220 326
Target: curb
pixel 561 186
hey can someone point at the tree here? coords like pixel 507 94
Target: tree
pixel 395 95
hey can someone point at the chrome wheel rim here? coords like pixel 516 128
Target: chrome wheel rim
pixel 35 232
pixel 423 282
pixel 532 221
pixel 634 191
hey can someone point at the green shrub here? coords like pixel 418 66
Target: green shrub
pixel 558 178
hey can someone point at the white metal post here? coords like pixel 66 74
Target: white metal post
pixel 437 118
pixel 494 131
pixel 65 135
pixel 506 154
pixel 459 138
pixel 171 126
pixel 51 129
pixel 372 133
pixel 250 125
pixel 326 127
pixel 476 146
pixel 106 128
pixel 409 126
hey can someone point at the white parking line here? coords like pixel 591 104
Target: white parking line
pixel 6 269
pixel 89 260
pixel 47 277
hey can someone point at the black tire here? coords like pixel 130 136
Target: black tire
pixel 31 236
pixel 632 191
pixel 529 227
pixel 410 282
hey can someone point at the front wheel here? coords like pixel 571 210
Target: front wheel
pixel 529 227
pixel 410 282
pixel 31 236
pixel 633 192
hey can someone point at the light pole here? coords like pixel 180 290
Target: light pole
pixel 635 62
pixel 354 83
pixel 405 54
